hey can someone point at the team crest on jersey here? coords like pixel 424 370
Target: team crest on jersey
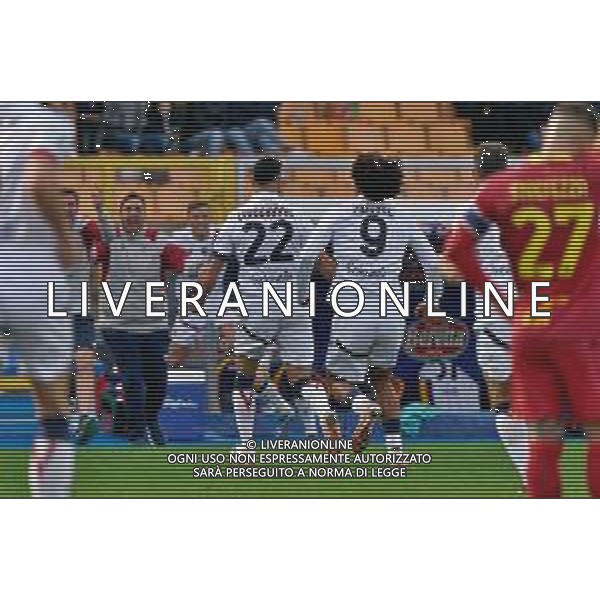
pixel 436 340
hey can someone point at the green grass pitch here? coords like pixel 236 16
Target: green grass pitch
pixel 467 470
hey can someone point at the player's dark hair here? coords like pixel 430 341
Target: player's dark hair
pixel 266 170
pixel 195 204
pixel 133 196
pixel 493 156
pixel 376 178
pixel 391 174
pixel 366 174
pixel 578 112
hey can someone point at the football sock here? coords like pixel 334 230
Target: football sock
pixel 273 401
pixel 543 472
pixel 514 436
pixel 391 431
pixel 244 408
pixel 593 469
pixel 52 460
pixel 306 410
pixel 316 398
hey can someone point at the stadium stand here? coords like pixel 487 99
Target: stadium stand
pixel 319 139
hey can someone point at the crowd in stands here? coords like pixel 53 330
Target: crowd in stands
pixel 193 128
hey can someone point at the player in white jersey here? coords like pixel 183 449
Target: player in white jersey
pixel 36 247
pixel 265 235
pixel 195 243
pixel 494 332
pixel 369 236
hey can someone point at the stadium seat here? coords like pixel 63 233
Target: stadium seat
pixel 319 180
pixel 446 110
pixel 292 118
pixel 341 186
pixel 439 178
pixel 378 112
pixel 410 183
pixel 289 125
pixel 324 138
pixel 419 112
pixel 297 183
pixel 451 138
pixel 406 139
pixel 465 185
pixel 365 136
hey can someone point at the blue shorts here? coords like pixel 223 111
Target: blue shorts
pixel 84 332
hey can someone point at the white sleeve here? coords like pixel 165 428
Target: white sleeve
pixel 492 258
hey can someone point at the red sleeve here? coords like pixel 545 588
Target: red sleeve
pixel 461 244
pixel 90 236
pixel 102 256
pixel 460 249
pixel 151 234
pixel 173 258
pixel 492 198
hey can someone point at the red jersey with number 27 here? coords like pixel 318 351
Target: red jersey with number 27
pixel 548 215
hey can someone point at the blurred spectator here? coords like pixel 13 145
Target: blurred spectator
pixel 262 130
pixel 506 122
pixel 245 127
pixel 202 126
pixel 123 123
pixel 250 127
pixel 137 343
pixel 134 127
pixel 153 138
pixel 89 126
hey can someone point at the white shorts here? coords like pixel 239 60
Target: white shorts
pixel 293 337
pixel 43 344
pixel 493 352
pixel 362 342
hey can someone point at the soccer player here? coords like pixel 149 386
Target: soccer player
pixel 368 236
pixel 37 247
pixel 265 235
pixel 547 213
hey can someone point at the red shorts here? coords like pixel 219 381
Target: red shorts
pixel 556 379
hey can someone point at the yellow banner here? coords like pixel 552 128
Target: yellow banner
pixel 167 184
